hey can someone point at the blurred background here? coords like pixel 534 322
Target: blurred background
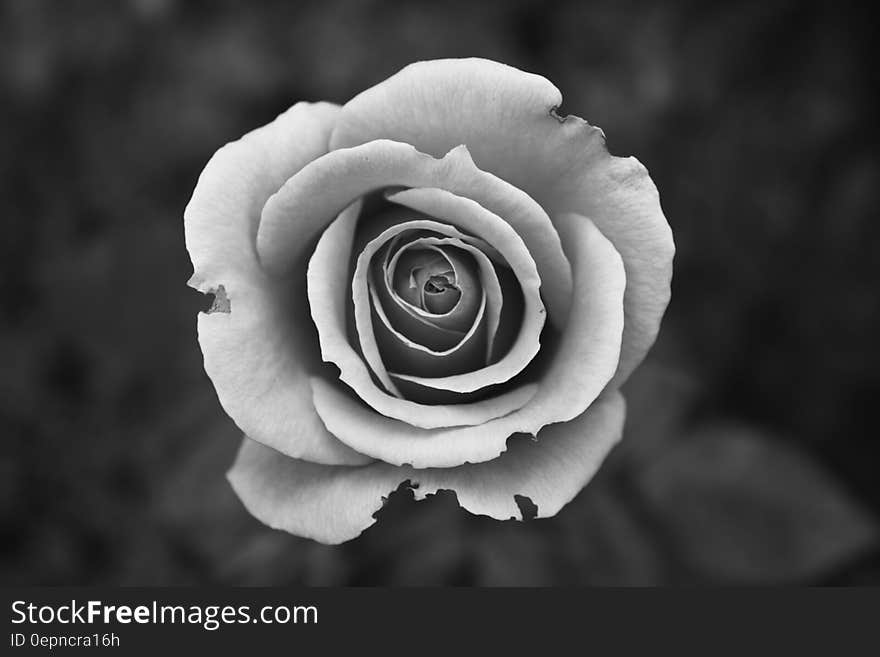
pixel 750 453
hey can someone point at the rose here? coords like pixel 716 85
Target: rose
pixel 474 267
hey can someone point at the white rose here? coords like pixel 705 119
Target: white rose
pixel 473 266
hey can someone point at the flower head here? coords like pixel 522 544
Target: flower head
pixel 415 279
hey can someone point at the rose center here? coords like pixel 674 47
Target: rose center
pixel 439 294
pixel 438 285
pixel 427 279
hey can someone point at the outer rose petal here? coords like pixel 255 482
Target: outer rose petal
pixel 221 219
pixel 585 361
pixel 249 354
pixel 506 119
pixel 619 196
pixel 333 504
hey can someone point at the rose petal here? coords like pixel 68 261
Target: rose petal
pixel 312 198
pixel 435 105
pixel 486 226
pixel 582 366
pixel 401 354
pixel 422 264
pixel 328 287
pixel 618 195
pixel 256 356
pixel 333 504
pixel 350 370
pixel 411 326
pixel 221 219
pixel 250 355
pixel 431 331
pixel 511 313
pixel 488 282
pixel 406 286
pixel 506 118
pixel 389 348
pixel 472 217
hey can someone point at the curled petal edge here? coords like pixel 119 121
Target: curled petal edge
pixel 328 286
pixel 300 211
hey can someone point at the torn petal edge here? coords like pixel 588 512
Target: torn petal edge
pixel 334 504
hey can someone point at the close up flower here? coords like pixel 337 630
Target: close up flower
pixel 441 282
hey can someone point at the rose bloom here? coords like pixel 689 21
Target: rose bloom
pixel 441 282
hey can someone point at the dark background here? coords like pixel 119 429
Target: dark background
pixel 750 454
